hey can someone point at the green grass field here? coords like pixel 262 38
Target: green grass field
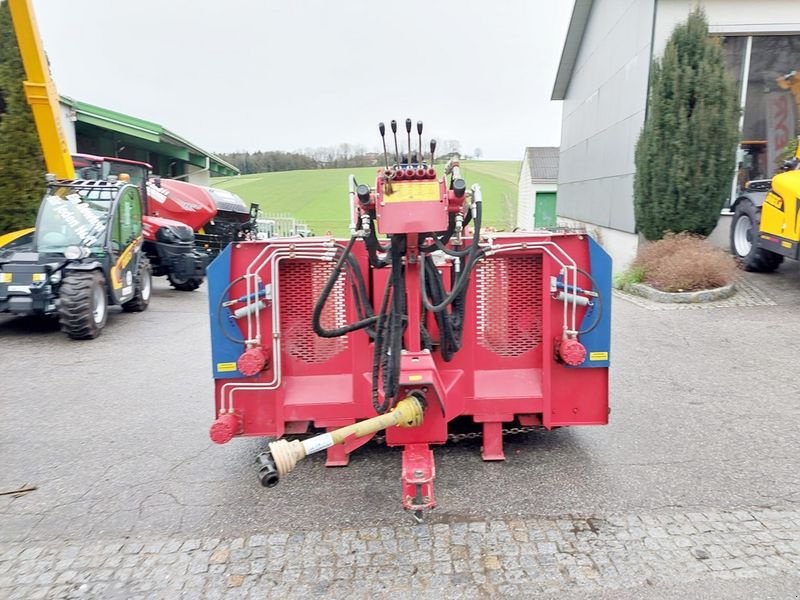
pixel 319 197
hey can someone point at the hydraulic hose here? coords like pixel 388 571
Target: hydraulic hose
pixel 323 299
pixel 599 302
pixel 219 311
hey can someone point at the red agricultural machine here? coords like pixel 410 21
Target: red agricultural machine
pixel 330 341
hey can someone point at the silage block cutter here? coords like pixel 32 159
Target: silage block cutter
pixel 418 319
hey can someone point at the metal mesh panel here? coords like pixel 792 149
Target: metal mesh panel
pixel 301 283
pixel 509 302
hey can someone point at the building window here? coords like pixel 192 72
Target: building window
pixel 767 72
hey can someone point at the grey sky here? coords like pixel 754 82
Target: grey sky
pixel 260 74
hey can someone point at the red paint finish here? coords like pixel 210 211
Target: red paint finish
pixel 253 361
pixel 224 428
pixel 506 371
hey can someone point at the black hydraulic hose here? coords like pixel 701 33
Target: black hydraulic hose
pixel 323 299
pixel 474 252
pixel 219 310
pixel 599 302
pixel 397 320
pixel 435 289
pixel 377 350
pixel 459 287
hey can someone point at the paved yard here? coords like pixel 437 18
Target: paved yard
pixel 692 491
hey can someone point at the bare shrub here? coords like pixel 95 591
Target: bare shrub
pixel 684 263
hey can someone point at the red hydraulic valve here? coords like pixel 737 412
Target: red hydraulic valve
pixel 572 352
pixel 253 361
pixel 224 428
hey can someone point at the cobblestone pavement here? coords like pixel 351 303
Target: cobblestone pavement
pixel 501 558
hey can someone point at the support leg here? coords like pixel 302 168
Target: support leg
pixel 492 441
pixel 337 456
pixel 418 474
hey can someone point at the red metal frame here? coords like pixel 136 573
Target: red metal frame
pixel 506 370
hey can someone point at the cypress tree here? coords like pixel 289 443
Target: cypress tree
pixel 686 152
pixel 21 162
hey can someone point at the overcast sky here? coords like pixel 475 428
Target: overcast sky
pixel 261 74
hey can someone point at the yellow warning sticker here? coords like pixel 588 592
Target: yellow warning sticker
pixel 226 367
pixel 415 377
pixel 598 355
pixel 421 191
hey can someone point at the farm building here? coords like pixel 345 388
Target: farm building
pixel 538 183
pixel 603 81
pixel 94 130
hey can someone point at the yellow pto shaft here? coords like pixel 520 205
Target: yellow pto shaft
pixel 407 413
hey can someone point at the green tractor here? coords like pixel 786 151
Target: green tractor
pixel 86 255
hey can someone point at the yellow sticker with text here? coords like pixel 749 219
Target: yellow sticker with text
pixel 598 355
pixel 419 191
pixel 226 367
pixel 415 377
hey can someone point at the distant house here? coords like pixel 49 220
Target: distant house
pixel 538 183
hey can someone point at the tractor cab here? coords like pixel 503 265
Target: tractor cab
pixel 85 255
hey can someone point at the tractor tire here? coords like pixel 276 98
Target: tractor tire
pixel 143 283
pixel 83 304
pixel 744 240
pixel 184 285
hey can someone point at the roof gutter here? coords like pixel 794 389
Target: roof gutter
pixel 572 45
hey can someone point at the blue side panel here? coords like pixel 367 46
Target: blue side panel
pixel 598 341
pixel 224 352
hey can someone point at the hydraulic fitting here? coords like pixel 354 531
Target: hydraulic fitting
pixel 253 361
pixel 572 352
pixel 224 428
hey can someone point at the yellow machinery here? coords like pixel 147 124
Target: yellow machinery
pixel 40 90
pixel 766 220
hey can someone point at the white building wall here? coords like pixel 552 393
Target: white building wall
pixel 603 112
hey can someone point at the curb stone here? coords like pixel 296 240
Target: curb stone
pixel 712 295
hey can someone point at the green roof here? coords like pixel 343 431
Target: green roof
pixel 168 142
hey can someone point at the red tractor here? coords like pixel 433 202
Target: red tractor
pixel 185 225
pixel 330 341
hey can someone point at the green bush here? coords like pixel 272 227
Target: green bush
pixel 686 152
pixel 21 163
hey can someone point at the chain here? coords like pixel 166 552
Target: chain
pixel 460 437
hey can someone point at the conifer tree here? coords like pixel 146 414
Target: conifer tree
pixel 686 152
pixel 21 163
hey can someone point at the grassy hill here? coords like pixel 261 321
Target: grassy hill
pixel 319 197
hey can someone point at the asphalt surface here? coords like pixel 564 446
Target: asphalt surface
pixel 113 433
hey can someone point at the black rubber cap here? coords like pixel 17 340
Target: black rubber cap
pixel 362 191
pixel 459 187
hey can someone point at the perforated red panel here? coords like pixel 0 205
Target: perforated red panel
pixel 301 283
pixel 509 302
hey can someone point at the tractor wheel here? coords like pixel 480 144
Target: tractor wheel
pixel 83 305
pixel 744 240
pixel 144 286
pixel 188 284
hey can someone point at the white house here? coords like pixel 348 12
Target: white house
pixel 538 183
pixel 603 81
